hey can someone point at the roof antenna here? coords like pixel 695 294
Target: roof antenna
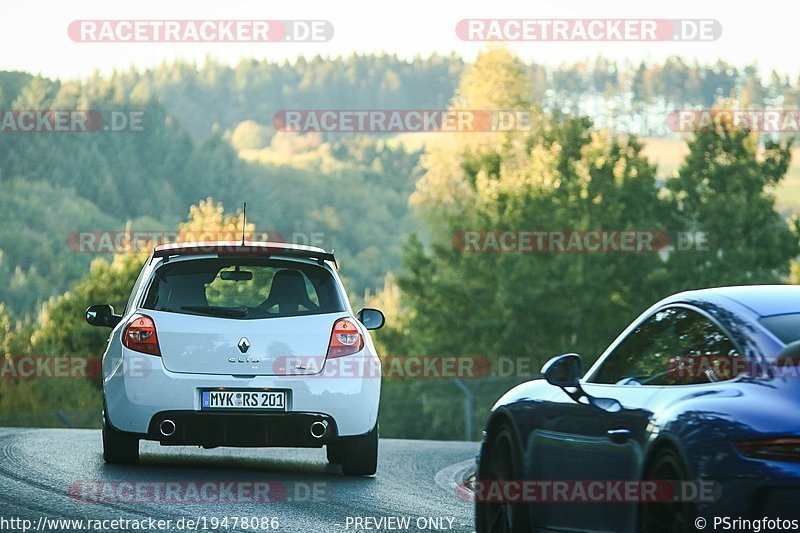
pixel 244 221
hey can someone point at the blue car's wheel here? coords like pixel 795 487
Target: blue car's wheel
pixel 666 517
pixel 500 462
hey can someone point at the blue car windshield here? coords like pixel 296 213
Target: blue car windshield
pixel 785 327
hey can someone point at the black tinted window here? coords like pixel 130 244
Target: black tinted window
pixel 675 346
pixel 785 327
pixel 243 288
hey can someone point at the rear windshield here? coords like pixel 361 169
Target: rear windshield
pixel 244 288
pixel 785 327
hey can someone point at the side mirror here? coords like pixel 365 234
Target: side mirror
pixel 789 356
pixel 371 318
pixel 790 351
pixel 102 315
pixel 564 370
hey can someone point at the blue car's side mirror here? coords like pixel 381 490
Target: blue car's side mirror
pixel 564 370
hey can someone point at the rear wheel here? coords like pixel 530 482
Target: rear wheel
pixel 500 462
pixel 334 454
pixel 118 447
pixel 667 517
pixel 358 455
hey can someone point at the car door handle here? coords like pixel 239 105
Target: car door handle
pixel 619 435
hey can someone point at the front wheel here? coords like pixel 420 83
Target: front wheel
pixel 358 455
pixel 119 448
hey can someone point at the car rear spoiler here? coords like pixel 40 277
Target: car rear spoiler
pixel 249 249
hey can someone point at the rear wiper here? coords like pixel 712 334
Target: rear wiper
pixel 218 311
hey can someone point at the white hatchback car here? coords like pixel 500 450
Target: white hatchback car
pixel 230 344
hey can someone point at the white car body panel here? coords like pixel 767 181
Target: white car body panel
pixel 205 345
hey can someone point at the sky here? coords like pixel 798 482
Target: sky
pixel 33 33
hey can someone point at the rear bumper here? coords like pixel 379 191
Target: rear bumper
pixel 211 429
pixel 753 499
pixel 139 391
pixel 764 489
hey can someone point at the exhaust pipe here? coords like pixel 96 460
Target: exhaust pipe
pixel 319 428
pixel 167 428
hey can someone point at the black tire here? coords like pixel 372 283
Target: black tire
pixel 334 454
pixel 358 456
pixel 119 448
pixel 667 517
pixel 500 461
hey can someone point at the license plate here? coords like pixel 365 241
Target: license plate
pixel 255 400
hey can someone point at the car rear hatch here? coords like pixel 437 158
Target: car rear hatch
pixel 244 315
pixel 260 347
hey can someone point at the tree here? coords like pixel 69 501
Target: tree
pixel 496 81
pixel 561 176
pixel 725 188
pixel 64 330
pixel 541 303
pixel 249 135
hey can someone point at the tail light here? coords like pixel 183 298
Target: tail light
pixel 779 449
pixel 140 335
pixel 345 339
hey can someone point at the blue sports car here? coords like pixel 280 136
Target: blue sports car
pixel 702 388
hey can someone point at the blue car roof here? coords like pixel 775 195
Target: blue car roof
pixel 764 300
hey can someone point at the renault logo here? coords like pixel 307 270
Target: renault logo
pixel 243 345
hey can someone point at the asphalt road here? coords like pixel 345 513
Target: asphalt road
pixel 60 474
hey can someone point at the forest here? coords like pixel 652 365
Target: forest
pixel 390 205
